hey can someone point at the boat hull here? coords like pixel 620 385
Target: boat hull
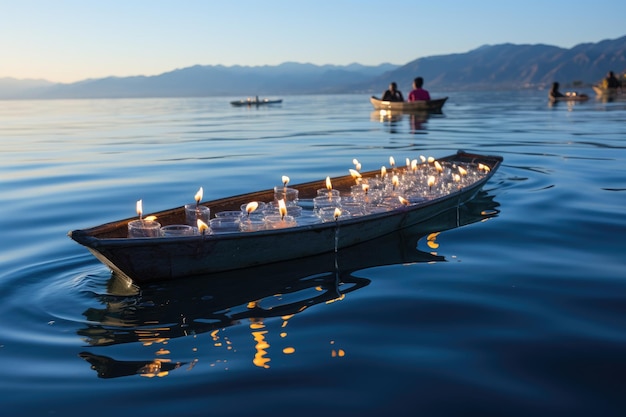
pixel 251 103
pixel 408 106
pixel 167 258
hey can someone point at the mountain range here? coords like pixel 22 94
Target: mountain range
pixel 503 67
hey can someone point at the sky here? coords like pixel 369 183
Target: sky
pixel 73 40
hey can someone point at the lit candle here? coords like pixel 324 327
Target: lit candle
pixel 337 213
pixel 403 200
pixel 431 159
pixel 356 175
pixel 383 172
pixel 147 227
pixel 366 187
pixel 462 171
pixel 198 197
pixel 392 162
pixel 414 165
pixel 285 182
pixel 202 227
pixel 431 182
pixel 395 181
pixel 282 209
pixel 329 187
pixel 422 158
pixel 438 167
pixel 357 164
pixel 250 207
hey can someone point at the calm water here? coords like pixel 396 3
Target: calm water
pixel 518 306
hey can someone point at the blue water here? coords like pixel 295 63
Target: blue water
pixel 517 307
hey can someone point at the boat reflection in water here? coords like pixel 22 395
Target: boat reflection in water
pixel 162 311
pixel 393 118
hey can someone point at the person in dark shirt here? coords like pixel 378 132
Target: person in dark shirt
pixel 393 94
pixel 554 91
pixel 611 81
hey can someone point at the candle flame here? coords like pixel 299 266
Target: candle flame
pixel 483 167
pixel 457 178
pixel 422 158
pixel 392 161
pixel 150 218
pixel 355 174
pixel 139 208
pixel 383 172
pixel 404 201
pixel 285 180
pixel 250 207
pixel 395 181
pixel 408 162
pixel 414 165
pixel 431 159
pixel 337 212
pixel 431 180
pixel 328 184
pixel 438 167
pixel 462 171
pixel 282 208
pixel 366 187
pixel 202 227
pixel 357 164
pixel 198 195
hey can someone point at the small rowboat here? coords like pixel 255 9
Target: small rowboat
pixel 408 106
pixel 254 102
pixel 173 257
pixel 569 96
pixel 606 92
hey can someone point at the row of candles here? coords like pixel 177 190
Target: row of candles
pixel 387 191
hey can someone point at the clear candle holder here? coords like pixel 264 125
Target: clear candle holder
pixel 195 212
pixel 276 221
pixel 144 228
pixel 252 224
pixel 174 230
pixel 328 193
pixel 225 224
pixel 289 195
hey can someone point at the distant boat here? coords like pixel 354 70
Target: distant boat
pixel 408 106
pixel 254 102
pixel 570 96
pixel 602 91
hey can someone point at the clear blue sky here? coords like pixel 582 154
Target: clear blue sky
pixel 72 40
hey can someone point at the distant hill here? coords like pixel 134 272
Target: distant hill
pixel 505 66
pixel 509 66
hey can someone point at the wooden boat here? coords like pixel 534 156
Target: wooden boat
pixel 128 312
pixel 610 93
pixel 254 102
pixel 408 106
pixel 569 96
pixel 166 258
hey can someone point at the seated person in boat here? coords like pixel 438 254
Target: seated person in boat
pixel 418 93
pixel 393 94
pixel 554 91
pixel 611 81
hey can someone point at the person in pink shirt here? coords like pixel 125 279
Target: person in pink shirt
pixel 418 93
